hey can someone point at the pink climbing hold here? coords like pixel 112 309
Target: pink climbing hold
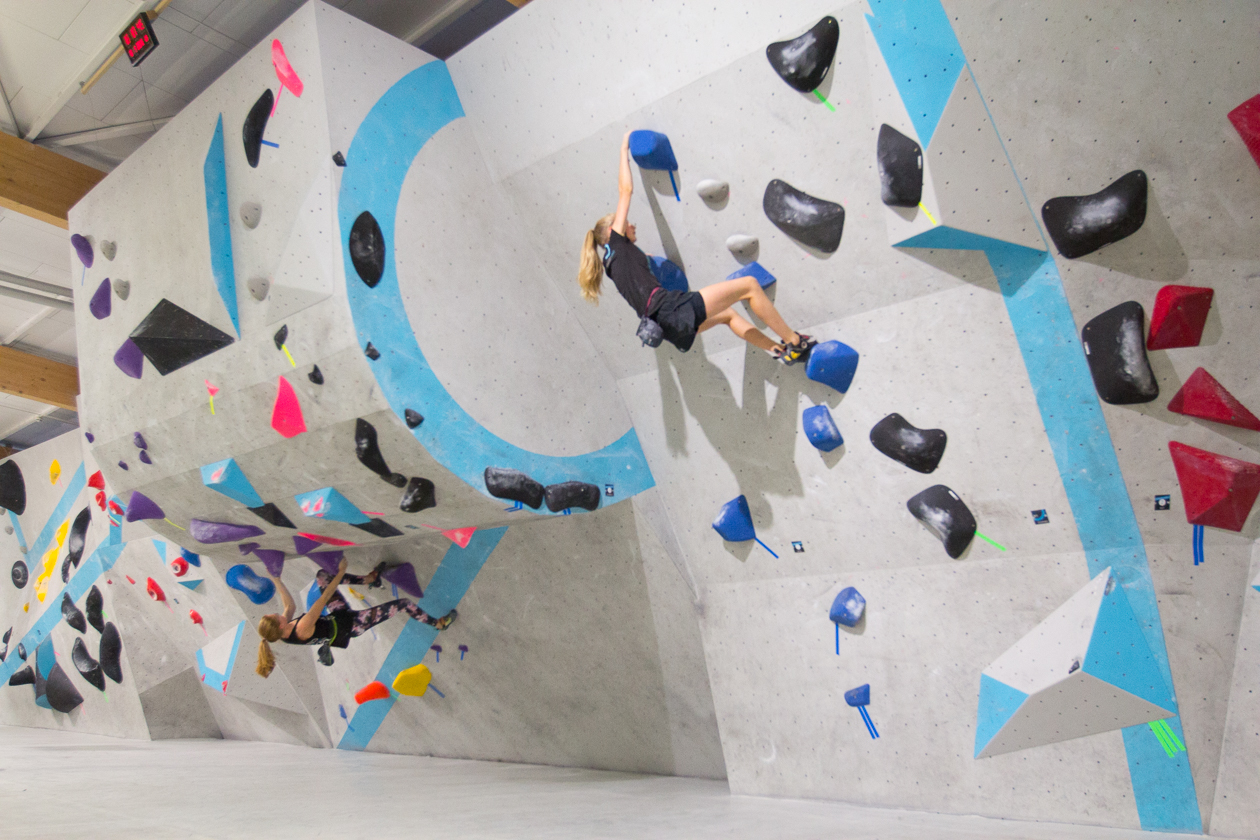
pixel 286 415
pixel 459 536
pixel 319 539
pixel 1246 120
pixel 1202 396
pixel 284 70
pixel 155 591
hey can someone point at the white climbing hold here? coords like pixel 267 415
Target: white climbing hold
pixel 713 191
pixel 743 246
pixel 109 249
pixel 251 213
pixel 258 287
pixel 122 288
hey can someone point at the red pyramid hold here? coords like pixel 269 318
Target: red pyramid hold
pixel 1217 491
pixel 1178 317
pixel 1202 396
pixel 1246 119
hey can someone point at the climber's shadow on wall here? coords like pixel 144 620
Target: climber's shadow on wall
pixel 657 182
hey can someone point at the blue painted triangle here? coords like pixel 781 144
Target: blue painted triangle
pixel 191 584
pixel 1118 653
pixel 219 217
pixel 228 478
pixel 998 701
pixel 160 546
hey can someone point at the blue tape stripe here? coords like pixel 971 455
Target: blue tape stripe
pixel 60 513
pixel 388 140
pixel 1198 544
pixel 17 529
pixel 451 580
pixel 219 218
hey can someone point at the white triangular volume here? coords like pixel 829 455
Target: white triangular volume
pixel 1056 647
pixel 304 274
pixel 219 654
pixel 1074 707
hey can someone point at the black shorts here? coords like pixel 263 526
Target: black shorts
pixel 680 315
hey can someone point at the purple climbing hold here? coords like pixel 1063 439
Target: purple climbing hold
pixel 327 560
pixel 272 559
pixel 305 545
pixel 91 438
pixel 404 577
pixel 102 302
pixel 144 457
pixel 138 440
pixel 142 507
pixel 221 532
pixel 247 547
pixel 129 359
pixel 123 464
pixel 83 248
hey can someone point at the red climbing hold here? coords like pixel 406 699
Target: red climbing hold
pixel 318 538
pixel 196 617
pixel 1202 396
pixel 179 567
pixel 155 591
pixel 97 481
pixel 1246 119
pixel 100 499
pixel 1178 317
pixel 459 536
pixel 1217 490
pixel 374 690
pixel 286 416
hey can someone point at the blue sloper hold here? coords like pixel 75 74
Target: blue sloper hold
pixel 327 503
pixel 821 428
pixel 243 579
pixel 651 150
pixel 668 274
pixel 998 701
pixel 734 521
pixel 848 608
pixel 757 271
pixel 219 216
pixel 832 363
pixel 860 696
pixel 226 477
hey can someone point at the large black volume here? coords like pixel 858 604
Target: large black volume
pixel 1115 348
pixel 61 694
pixel 255 125
pixel 918 449
pixel 571 494
pixel 513 485
pixel 12 488
pixel 900 168
pixel 945 515
pixel 810 221
pixel 171 337
pixel 1081 224
pixel 803 62
pixel 367 249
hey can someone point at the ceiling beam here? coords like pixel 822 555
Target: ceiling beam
pixel 38 379
pixel 40 183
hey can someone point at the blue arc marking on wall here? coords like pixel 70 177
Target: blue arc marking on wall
pixel 386 143
pixel 219 219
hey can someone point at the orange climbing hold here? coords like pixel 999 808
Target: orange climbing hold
pixel 1202 396
pixel 374 690
pixel 286 415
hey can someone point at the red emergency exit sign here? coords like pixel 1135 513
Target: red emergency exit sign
pixel 138 39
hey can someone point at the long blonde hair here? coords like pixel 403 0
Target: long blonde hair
pixel 269 630
pixel 591 271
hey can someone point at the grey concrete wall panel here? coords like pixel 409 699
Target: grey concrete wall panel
pixel 177 708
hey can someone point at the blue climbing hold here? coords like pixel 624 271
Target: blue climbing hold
pixel 243 579
pixel 668 274
pixel 651 150
pixel 192 559
pixel 327 503
pixel 860 696
pixel 848 608
pixel 734 521
pixel 821 428
pixel 833 363
pixel 227 478
pixel 756 270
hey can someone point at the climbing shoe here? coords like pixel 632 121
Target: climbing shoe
pixel 446 620
pixel 325 654
pixel 379 582
pixel 790 354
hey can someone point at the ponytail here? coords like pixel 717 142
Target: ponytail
pixel 591 271
pixel 269 631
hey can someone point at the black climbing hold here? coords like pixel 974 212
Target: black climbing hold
pixel 515 486
pixel 571 494
pixel 413 418
pixel 171 337
pixel 72 614
pixel 20 574
pixel 61 694
pixel 1115 348
pixel 95 609
pixel 1081 224
pixel 900 168
pixel 281 336
pixel 316 375
pixel 4 652
pixel 21 651
pixel 810 221
pixel 397 479
pixel 255 125
pixel 918 449
pixel 419 495
pixel 803 62
pixel 369 451
pixel 23 676
pixel 379 528
pixel 78 536
pixel 272 514
pixel 87 667
pixel 12 488
pixel 945 515
pixel 339 159
pixel 65 570
pixel 111 653
pixel 367 249
pixel 371 352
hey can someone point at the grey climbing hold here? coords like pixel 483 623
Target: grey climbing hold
pixel 12 488
pixel 713 192
pixel 811 221
pixel 251 214
pixel 258 287
pixel 109 250
pixel 419 495
pixel 514 485
pixel 1115 348
pixel 900 168
pixel 378 528
pixel 23 676
pixel 571 494
pixel 20 574
pixel 743 246
pixel 122 288
pixel 803 62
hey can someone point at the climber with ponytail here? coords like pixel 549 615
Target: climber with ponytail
pixel 608 248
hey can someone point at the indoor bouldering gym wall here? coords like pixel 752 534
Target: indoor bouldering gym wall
pixel 989 549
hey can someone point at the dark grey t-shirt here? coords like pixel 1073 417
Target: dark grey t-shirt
pixel 630 272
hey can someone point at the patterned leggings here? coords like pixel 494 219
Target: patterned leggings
pixel 364 620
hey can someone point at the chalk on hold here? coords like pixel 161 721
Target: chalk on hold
pixel 821 428
pixel 734 523
pixel 413 418
pixel 171 337
pixel 257 589
pixel 110 653
pixel 316 375
pixel 122 288
pixel 571 494
pixel 946 516
pixel 404 577
pixel 1218 491
pixel 95 605
pixel 254 126
pixel 286 412
pixel 813 222
pixel 109 249
pixel 652 150
pixel 742 246
pixel 220 532
pixel 848 607
pixel 12 488
pixel 1246 120
pixel 919 449
pixel 374 690
pixel 712 191
pixel 259 287
pixel 19 574
pixel 142 507
pixel 832 363
pixel 101 304
pixel 251 214
pixel 1202 396
pixel 72 614
pixel 271 514
pixel 757 271
pixel 129 359
pixel 88 668
pixel 339 159
pixel 367 249
pixel 900 168
pixel 414 681
pixel 371 352
pixel 82 249
pixel 513 485
pixel 420 494
pixel 668 274
pixel 1081 224
pixel 803 62
pixel 1116 352
pixel 1178 318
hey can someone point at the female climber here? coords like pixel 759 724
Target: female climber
pixel 681 315
pixel 338 627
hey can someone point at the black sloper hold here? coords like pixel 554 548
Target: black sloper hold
pixel 367 249
pixel 1115 347
pixel 918 449
pixel 900 168
pixel 23 676
pixel 62 695
pixel 95 605
pixel 420 494
pixel 810 221
pixel 254 126
pixel 371 352
pixel 379 528
pixel 397 479
pixel 78 536
pixel 87 667
pixel 1081 224
pixel 803 62
pixel 571 494
pixel 316 375
pixel 368 449
pixel 65 570
pixel 945 515
pixel 20 574
pixel 12 488
pixel 281 336
pixel 111 653
pixel 21 650
pixel 272 514
pixel 515 486
pixel 72 614
pixel 413 418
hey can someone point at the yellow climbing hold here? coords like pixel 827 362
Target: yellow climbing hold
pixel 54 471
pixel 61 533
pixel 414 681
